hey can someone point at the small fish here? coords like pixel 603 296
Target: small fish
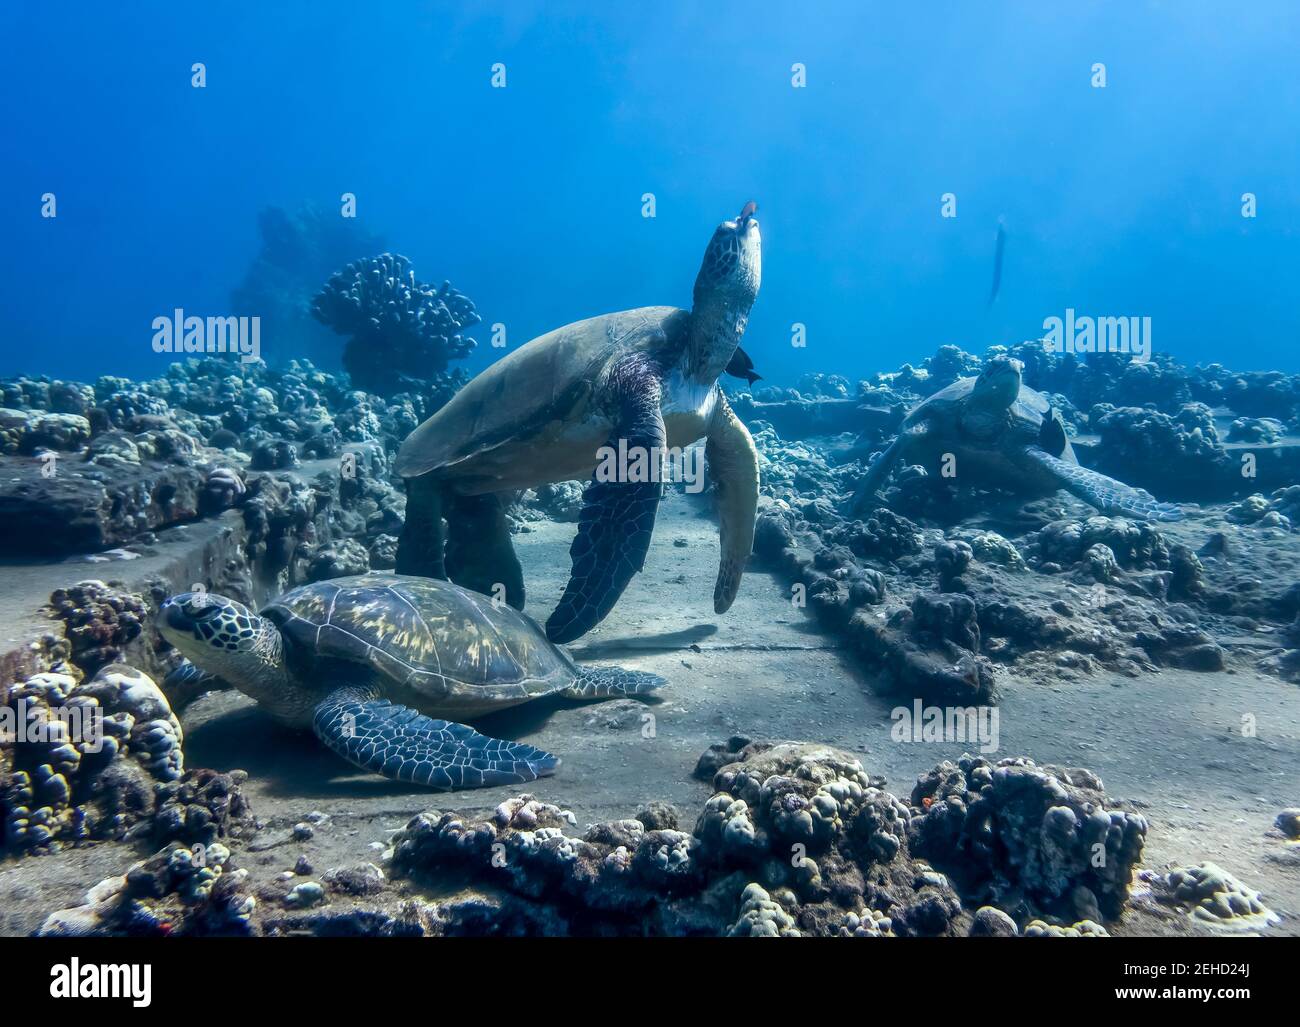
pixel 1051 436
pixel 997 261
pixel 746 212
pixel 742 367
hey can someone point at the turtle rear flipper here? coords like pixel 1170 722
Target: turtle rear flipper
pixel 480 555
pixel 405 745
pixel 610 682
pixel 420 549
pixel 618 515
pixel 1106 494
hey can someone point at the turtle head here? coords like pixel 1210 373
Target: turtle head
pixel 733 263
pixel 998 384
pixel 725 289
pixel 223 637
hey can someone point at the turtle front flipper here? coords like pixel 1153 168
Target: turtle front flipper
pixel 187 682
pixel 733 465
pixel 612 682
pixel 878 473
pixel 1106 494
pixel 619 506
pixel 405 745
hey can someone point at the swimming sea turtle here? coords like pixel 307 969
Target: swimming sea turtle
pixel 362 660
pixel 1002 432
pixel 638 382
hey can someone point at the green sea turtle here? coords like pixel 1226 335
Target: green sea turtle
pixel 367 661
pixel 639 382
pixel 1000 431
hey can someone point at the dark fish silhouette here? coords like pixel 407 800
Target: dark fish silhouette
pixel 997 262
pixel 742 367
pixel 1051 436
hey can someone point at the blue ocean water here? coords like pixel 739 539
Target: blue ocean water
pixel 1116 201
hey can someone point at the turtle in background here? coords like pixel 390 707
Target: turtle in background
pixel 637 381
pixel 368 662
pixel 1003 433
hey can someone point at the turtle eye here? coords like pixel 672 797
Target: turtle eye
pixel 201 609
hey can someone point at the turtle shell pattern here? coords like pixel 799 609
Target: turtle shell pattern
pixel 1024 420
pixel 431 637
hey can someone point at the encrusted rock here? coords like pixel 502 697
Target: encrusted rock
pixel 1013 831
pixel 1214 898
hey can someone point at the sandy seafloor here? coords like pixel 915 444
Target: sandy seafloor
pixel 1167 742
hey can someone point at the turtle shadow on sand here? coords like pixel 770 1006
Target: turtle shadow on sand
pixel 287 762
pixel 643 644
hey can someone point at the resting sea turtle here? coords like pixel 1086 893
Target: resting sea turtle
pixel 638 382
pixel 1002 432
pixel 362 660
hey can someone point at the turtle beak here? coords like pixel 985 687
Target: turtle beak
pixel 174 623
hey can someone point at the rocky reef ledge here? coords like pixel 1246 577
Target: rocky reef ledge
pixel 797 840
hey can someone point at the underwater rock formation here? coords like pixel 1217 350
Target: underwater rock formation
pixel 49 509
pixel 399 330
pixel 86 760
pixel 29 432
pixel 1101 592
pixel 797 840
pixel 99 621
pixel 1288 822
pixel 629 876
pixel 915 653
pixel 1012 832
pixel 203 806
pixel 818 405
pixel 179 891
pixel 185 446
pixel 339 559
pixel 297 251
pixel 1177 455
pixel 1134 545
pixel 560 501
pixel 1211 897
